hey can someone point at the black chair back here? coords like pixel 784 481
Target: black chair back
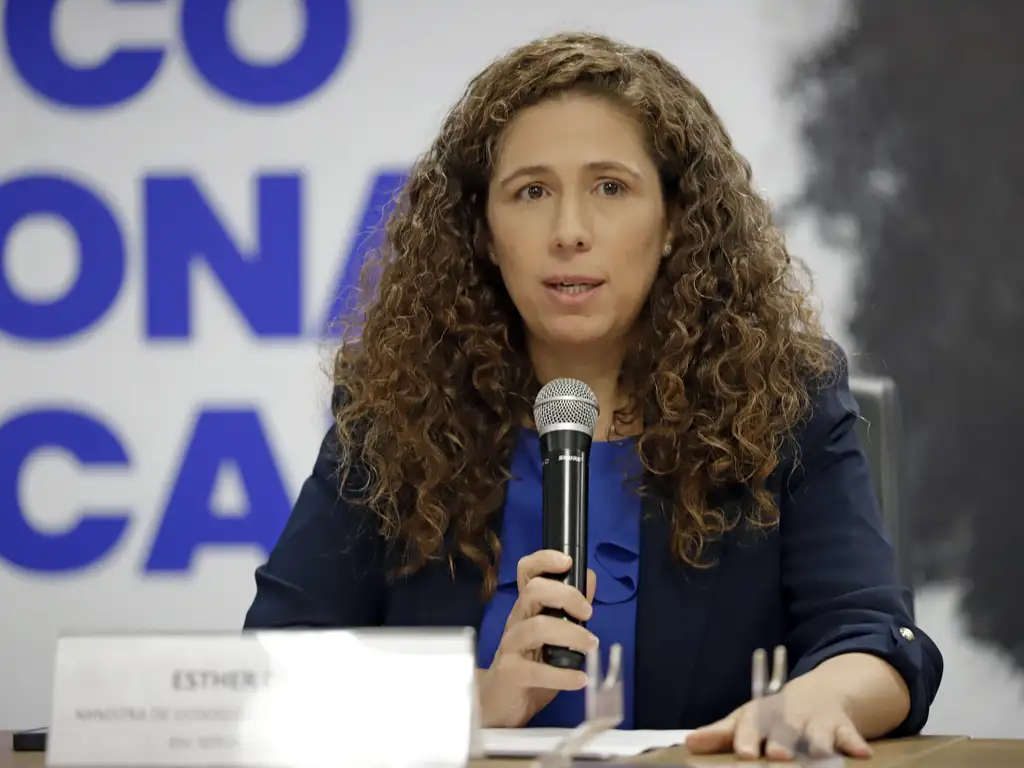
pixel 879 432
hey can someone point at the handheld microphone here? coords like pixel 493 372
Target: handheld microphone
pixel 565 413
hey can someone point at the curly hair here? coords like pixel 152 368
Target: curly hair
pixel 437 381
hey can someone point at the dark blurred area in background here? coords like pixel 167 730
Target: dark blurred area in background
pixel 914 114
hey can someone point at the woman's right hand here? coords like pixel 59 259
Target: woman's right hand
pixel 519 683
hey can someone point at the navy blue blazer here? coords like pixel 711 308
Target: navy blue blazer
pixel 823 582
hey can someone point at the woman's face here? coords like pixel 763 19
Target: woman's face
pixel 577 220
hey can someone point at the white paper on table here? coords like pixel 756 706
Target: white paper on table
pixel 530 742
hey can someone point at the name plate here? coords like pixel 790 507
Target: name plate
pixel 279 698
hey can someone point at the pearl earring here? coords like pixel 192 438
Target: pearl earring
pixel 667 250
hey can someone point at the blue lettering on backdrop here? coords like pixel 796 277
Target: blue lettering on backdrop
pixel 181 228
pixel 101 258
pixel 369 236
pixel 205 32
pixel 189 521
pixel 28 32
pixel 183 224
pixel 95 532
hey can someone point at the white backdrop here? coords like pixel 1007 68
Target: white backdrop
pixel 190 388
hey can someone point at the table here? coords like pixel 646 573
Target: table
pixel 930 751
pixel 901 752
pixel 920 752
pixel 983 753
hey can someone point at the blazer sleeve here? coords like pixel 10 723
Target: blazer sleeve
pixel 326 569
pixel 838 569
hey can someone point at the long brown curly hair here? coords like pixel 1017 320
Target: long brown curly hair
pixel 437 381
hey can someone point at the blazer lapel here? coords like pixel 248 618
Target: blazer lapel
pixel 673 603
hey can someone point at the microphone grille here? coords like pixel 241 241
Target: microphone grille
pixel 566 402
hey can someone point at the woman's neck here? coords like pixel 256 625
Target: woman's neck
pixel 599 369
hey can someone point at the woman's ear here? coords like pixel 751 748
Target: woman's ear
pixel 669 246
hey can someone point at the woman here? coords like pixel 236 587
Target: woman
pixel 583 213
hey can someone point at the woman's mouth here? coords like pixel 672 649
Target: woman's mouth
pixel 574 288
pixel 572 291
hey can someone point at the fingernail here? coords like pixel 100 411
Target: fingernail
pixel 776 751
pixel 594 642
pixel 746 751
pixel 566 560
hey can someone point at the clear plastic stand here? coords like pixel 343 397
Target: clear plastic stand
pixel 768 691
pixel 604 711
pixel 604 708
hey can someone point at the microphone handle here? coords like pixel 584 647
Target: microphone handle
pixel 565 458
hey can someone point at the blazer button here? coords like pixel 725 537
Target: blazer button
pixel 907 634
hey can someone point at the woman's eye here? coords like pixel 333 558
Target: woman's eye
pixel 532 192
pixel 611 188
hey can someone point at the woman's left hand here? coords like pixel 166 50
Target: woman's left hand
pixel 818 715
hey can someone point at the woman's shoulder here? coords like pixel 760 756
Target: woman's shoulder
pixel 326 567
pixel 831 408
pixel 342 460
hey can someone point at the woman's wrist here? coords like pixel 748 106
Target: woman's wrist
pixel 488 717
